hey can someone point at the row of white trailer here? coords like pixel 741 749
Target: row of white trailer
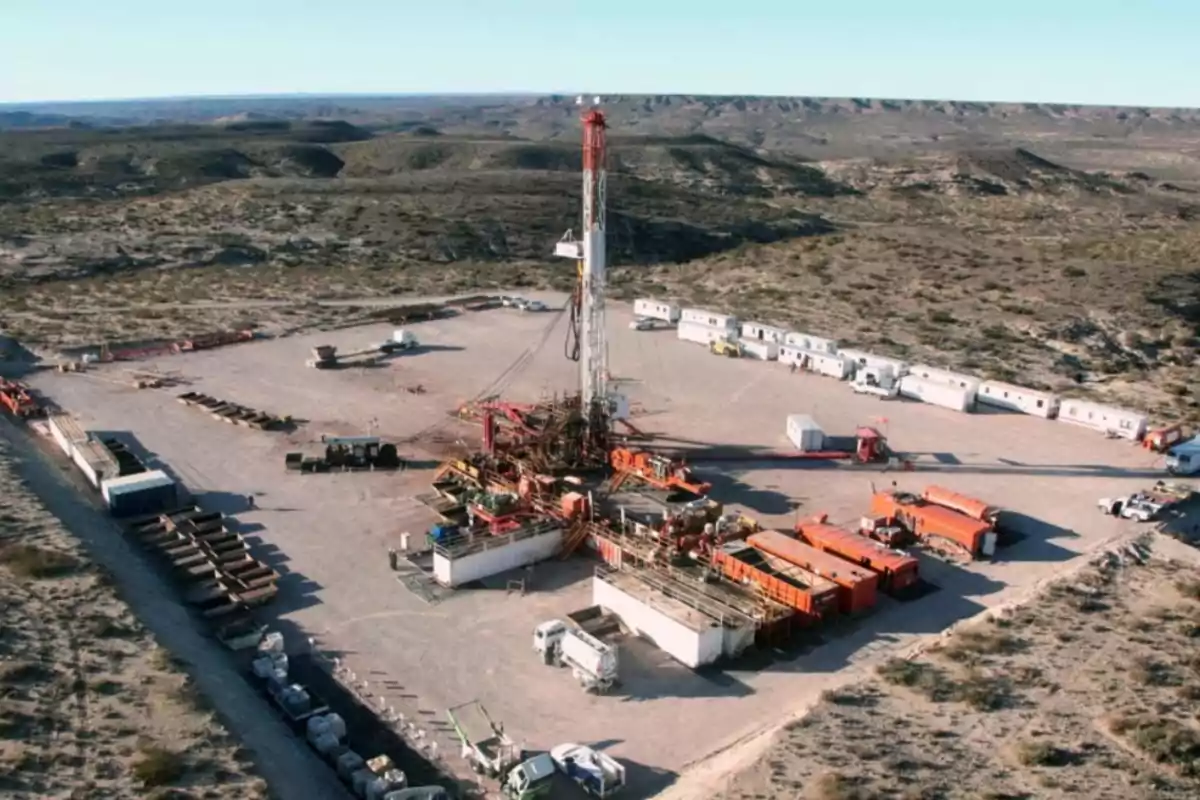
pixel 141 492
pixel 889 376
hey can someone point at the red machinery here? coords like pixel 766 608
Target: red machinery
pixel 20 403
pixel 1161 440
pixel 659 471
pixel 897 570
pixel 935 525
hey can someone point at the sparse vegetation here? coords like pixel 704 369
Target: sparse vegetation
pixel 158 766
pixel 31 561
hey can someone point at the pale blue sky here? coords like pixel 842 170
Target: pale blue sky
pixel 1137 52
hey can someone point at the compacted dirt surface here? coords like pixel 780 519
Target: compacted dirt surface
pixel 1090 689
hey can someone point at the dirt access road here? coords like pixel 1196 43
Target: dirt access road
pixel 282 759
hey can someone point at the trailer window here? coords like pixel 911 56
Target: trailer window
pixel 1040 403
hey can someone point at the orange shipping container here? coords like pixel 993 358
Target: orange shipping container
pixel 973 508
pixel 811 595
pixel 896 570
pixel 857 587
pixel 925 521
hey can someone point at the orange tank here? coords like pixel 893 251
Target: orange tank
pixel 857 587
pixel 928 522
pixel 896 570
pixel 812 596
pixel 975 509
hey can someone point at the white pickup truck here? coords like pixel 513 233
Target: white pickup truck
pixel 1146 506
pixel 596 773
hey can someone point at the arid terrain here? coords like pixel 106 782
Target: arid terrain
pixel 1090 689
pixel 90 705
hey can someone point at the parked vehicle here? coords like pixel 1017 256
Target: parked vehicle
pixel 597 774
pixel 641 324
pixel 492 753
pixel 534 305
pixel 879 380
pixel 1146 506
pixel 592 662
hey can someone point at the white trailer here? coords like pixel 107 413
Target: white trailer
pixel 712 319
pixel 862 359
pixel 649 308
pixel 804 432
pixel 1017 398
pixel 829 364
pixel 762 350
pixel 702 334
pixel 464 559
pixel 685 634
pixel 66 432
pixel 806 341
pixel 1118 422
pixel 763 333
pixel 948 377
pixel 598 774
pixel 935 393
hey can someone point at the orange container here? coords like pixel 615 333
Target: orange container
pixel 896 570
pixel 574 505
pixel 810 595
pixel 857 587
pixel 971 507
pixel 925 520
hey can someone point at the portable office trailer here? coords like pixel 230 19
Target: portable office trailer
pixel 937 394
pixel 763 333
pixel 701 334
pixel 804 432
pixel 861 358
pixel 653 309
pixel 764 351
pixel 806 341
pixel 945 376
pixel 830 364
pixel 144 493
pixel 712 319
pixel 1120 422
pixel 1017 398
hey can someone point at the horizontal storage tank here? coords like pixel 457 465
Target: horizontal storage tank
pixel 685 634
pixel 1120 422
pixel 141 494
pixel 653 309
pixel 971 507
pixel 861 358
pixel 804 432
pixel 937 394
pixel 465 560
pixel 702 316
pixel 828 364
pixel 701 334
pixel 811 595
pixel 857 587
pixel 764 351
pixel 1017 398
pixel 945 376
pixel 806 341
pixel 896 570
pixel 763 333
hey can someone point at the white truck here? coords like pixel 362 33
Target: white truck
pixel 402 339
pixel 1146 506
pixel 491 752
pixel 1184 458
pixel 880 381
pixel 592 662
pixel 596 773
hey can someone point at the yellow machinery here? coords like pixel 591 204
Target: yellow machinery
pixel 726 347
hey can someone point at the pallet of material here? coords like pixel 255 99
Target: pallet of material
pixel 232 413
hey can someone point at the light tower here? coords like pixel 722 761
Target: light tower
pixel 589 252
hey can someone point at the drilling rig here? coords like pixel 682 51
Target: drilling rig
pixel 587 336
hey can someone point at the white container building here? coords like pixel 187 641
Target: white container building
pixel 939 375
pixel 861 358
pixel 653 309
pixel 938 394
pixel 764 351
pixel 702 334
pixel 1017 398
pixel 95 462
pixel 712 319
pixel 461 560
pixel 686 634
pixel 763 333
pixel 829 364
pixel 143 493
pixel 1120 422
pixel 804 432
pixel 806 341
pixel 65 432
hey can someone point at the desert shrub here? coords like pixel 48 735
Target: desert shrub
pixel 1164 740
pixel 966 646
pixel 1041 754
pixel 158 766
pixel 29 561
